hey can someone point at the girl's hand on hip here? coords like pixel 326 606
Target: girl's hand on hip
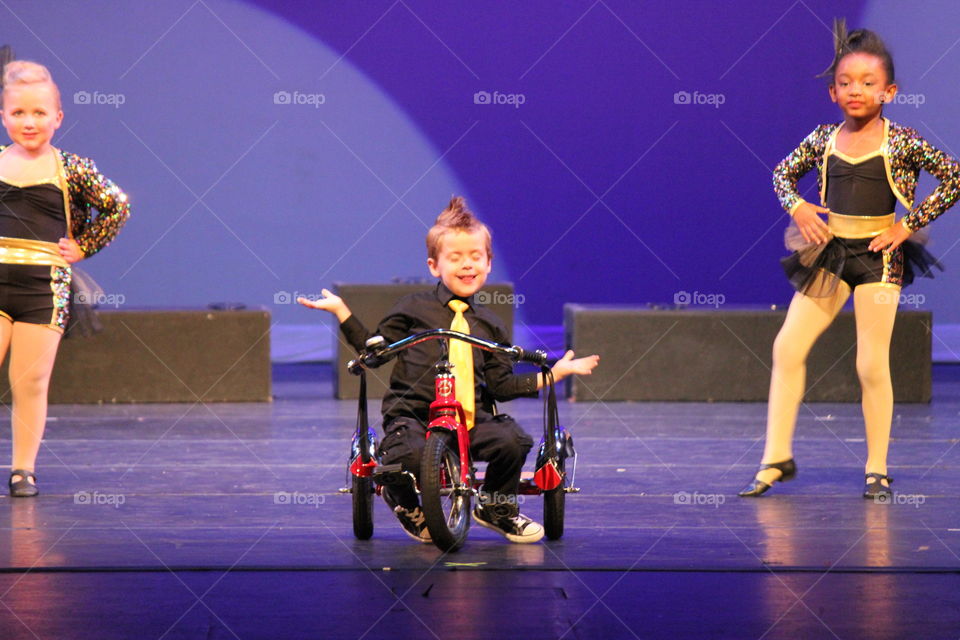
pixel 70 250
pixel 891 238
pixel 811 225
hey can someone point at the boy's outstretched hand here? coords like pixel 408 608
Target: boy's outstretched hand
pixel 568 366
pixel 329 302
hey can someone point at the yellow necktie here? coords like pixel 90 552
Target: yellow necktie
pixel 461 356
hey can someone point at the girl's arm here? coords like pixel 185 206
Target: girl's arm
pixel 788 172
pixel 942 166
pixel 89 189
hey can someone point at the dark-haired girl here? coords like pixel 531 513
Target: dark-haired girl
pixel 864 165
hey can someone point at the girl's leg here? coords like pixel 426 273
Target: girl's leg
pixel 875 306
pixel 32 353
pixel 807 318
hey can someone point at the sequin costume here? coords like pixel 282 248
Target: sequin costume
pixel 34 277
pixel 904 153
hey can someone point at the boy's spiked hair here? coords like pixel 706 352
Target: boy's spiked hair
pixel 456 217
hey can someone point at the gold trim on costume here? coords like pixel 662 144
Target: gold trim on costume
pixel 844 226
pixel 884 152
pixel 859 160
pixel 36 252
pixel 54 181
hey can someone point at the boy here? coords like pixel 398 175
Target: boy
pixel 459 250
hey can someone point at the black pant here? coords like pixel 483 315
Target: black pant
pixel 499 441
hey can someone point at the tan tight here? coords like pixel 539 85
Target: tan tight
pixel 33 348
pixel 875 308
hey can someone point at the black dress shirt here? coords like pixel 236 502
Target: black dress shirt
pixel 411 385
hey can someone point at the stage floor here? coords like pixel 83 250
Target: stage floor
pixel 224 521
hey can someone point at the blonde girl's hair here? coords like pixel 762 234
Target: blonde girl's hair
pixel 25 72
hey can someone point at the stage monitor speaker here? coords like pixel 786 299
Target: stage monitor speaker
pixel 165 356
pixel 725 355
pixel 370 303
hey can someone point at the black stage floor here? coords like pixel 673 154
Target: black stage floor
pixel 164 521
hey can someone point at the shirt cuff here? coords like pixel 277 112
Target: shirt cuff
pixel 354 331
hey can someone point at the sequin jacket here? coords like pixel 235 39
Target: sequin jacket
pixel 90 190
pixel 904 152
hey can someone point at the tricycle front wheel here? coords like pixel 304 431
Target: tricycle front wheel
pixel 445 504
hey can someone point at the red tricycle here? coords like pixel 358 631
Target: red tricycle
pixel 448 479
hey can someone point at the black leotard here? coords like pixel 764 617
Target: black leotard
pixel 34 212
pixel 859 188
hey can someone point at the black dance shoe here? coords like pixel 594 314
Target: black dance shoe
pixel 876 489
pixel 787 469
pixel 23 488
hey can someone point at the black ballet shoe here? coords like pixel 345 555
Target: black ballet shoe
pixel 23 488
pixel 876 489
pixel 787 469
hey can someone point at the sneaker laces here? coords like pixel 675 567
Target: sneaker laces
pixel 520 521
pixel 414 515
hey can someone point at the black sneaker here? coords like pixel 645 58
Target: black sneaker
pixel 515 528
pixel 413 523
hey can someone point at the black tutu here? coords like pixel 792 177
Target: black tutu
pixel 817 269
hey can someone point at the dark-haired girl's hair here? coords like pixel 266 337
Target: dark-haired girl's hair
pixel 857 41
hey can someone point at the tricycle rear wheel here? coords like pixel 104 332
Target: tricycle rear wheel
pixel 362 493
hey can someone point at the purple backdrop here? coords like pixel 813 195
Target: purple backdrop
pixel 621 151
pixel 600 187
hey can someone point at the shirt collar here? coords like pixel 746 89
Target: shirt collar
pixel 445 295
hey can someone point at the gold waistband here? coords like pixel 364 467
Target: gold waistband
pixel 844 226
pixel 22 251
